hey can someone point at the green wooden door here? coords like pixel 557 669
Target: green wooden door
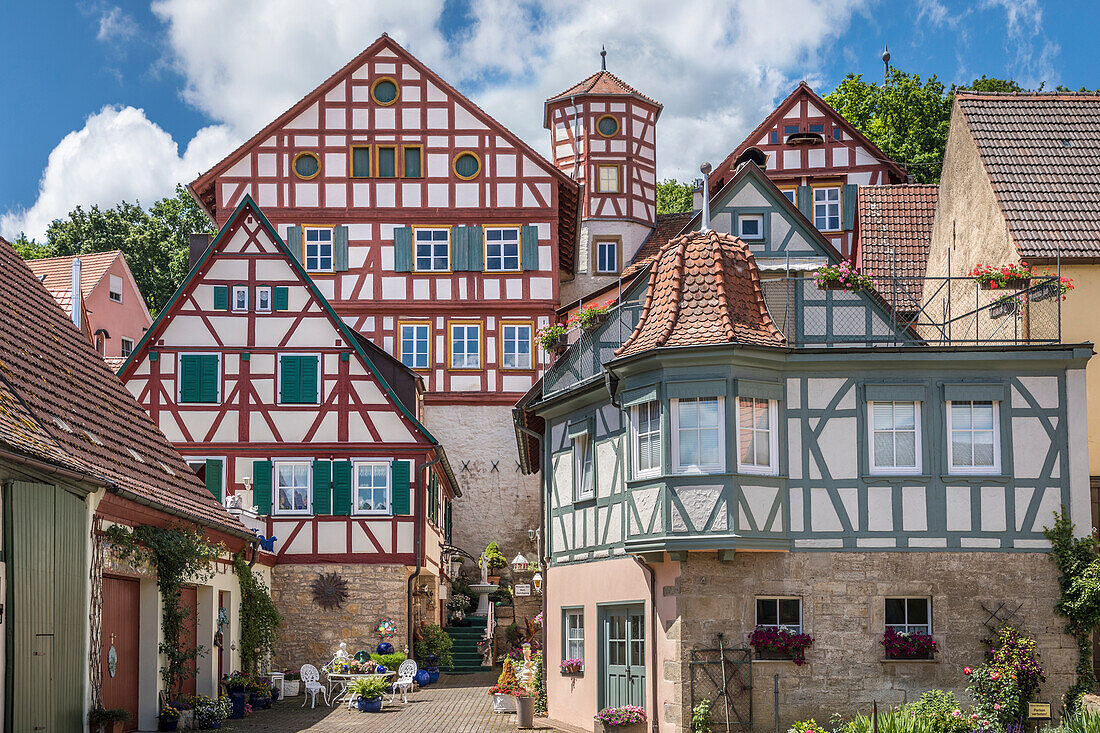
pixel 622 632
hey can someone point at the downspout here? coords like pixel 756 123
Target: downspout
pixel 652 580
pixel 418 545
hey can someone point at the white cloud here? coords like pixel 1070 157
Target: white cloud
pixel 1025 38
pixel 115 25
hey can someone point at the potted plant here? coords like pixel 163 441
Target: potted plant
pixel 700 717
pixel 505 689
pixel 1014 275
pixel 368 692
pixel 169 717
pixel 209 713
pixel 571 666
pixel 259 693
pixel 292 682
pixel 433 649
pixel 900 645
pixel 593 316
pixel 187 715
pixel 108 721
pixel 625 719
pixel 458 604
pixel 495 561
pixel 1051 286
pixel 776 642
pixel 552 338
pixel 236 685
pixel 842 277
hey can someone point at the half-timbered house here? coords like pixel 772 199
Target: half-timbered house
pixel 308 427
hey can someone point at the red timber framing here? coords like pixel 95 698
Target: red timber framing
pixel 289 405
pixel 842 156
pixel 390 149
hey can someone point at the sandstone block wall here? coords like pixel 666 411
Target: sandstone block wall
pixel 310 634
pixel 843 609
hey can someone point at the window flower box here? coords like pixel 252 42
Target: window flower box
pixel 1012 276
pixel 842 277
pixel 572 667
pixel 625 719
pixel 776 640
pixel 552 338
pixel 915 646
pixel 592 317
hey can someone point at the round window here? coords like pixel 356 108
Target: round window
pixel 467 165
pixel 607 125
pixel 306 165
pixel 384 91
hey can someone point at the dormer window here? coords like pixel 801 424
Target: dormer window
pixel 751 226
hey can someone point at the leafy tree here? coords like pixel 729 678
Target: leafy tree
pixel 987 84
pixel 673 197
pixel 29 249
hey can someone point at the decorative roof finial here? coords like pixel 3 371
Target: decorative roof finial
pixel 885 62
pixel 603 58
pixel 704 225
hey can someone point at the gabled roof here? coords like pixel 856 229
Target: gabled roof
pixel 1041 152
pixel 56 273
pixel 601 84
pixel 803 90
pixel 895 234
pixel 704 288
pixel 60 404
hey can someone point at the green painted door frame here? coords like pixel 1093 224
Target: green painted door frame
pixel 622 665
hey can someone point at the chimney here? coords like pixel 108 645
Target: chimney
pixel 705 169
pixel 199 243
pixel 78 301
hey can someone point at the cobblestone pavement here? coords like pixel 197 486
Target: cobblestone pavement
pixel 456 704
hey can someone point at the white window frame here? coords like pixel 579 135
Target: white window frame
pixel 908 628
pixel 674 409
pixel 635 440
pixel 756 610
pixel 895 470
pixel 613 246
pixel 498 262
pixel 584 484
pixel 759 219
pixel 434 258
pixel 827 204
pixel 234 291
pixel 260 291
pixel 993 470
pixel 790 194
pixel 123 350
pixel 571 640
pixel 600 168
pixel 505 341
pixel 772 469
pixel 387 463
pixel 111 292
pixel 416 354
pixel 451 335
pixel 275 488
pixel 319 256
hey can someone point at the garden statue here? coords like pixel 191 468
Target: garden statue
pixel 525 674
pixel 342 652
pixel 483 563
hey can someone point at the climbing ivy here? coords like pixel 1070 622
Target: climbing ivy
pixel 177 555
pixel 1078 561
pixel 259 618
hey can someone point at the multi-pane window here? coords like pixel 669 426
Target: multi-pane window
pixel 414 345
pixel 895 437
pixel 292 487
pixel 647 438
pixel 465 346
pixel 502 249
pixel 607 178
pixel 114 291
pixel 698 434
pixel 515 345
pixel 584 480
pixel 433 250
pixel 909 615
pixel 318 249
pixel 607 255
pixel 751 226
pixel 240 298
pixel 263 299
pixel 127 346
pixel 756 434
pixel 975 444
pixel 827 209
pixel 789 193
pixel 372 488
pixel 785 613
pixel 573 633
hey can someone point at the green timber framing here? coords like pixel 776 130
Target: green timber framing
pixel 827 499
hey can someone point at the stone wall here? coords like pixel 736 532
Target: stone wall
pixel 310 634
pixel 843 609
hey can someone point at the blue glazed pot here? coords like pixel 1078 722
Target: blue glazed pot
pixel 433 674
pixel 423 678
pixel 169 724
pixel 238 700
pixel 380 669
pixel 373 705
pixel 385 648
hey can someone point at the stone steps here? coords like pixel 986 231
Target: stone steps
pixel 464 641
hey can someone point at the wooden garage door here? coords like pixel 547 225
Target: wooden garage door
pixel 119 653
pixel 190 636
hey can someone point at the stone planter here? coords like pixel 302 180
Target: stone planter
pixel 504 703
pixel 601 727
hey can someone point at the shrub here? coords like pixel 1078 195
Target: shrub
pixel 389 661
pixel 996 697
pixel 1015 651
pixel 494 557
pixel 434 642
pixel 941 710
pixel 513 634
pixel 802 726
pixel 106 716
pixel 700 717
pixel 507 684
pixel 1081 721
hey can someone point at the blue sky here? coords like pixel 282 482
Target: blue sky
pixel 109 100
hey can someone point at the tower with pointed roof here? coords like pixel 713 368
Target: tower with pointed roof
pixel 603 135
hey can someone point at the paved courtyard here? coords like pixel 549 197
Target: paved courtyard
pixel 456 704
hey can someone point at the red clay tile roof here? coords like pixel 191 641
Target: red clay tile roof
pixel 56 273
pixel 664 229
pixel 895 233
pixel 704 288
pixel 604 83
pixel 1042 154
pixel 60 403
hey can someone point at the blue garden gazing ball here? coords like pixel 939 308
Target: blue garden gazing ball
pixel 423 678
pixel 385 648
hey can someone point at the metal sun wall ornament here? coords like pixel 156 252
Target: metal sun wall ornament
pixel 329 590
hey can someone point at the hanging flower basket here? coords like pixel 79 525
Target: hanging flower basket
pixel 552 338
pixel 1008 305
pixel 842 277
pixel 1012 276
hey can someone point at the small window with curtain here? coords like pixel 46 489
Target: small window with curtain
pixel 317 246
pixel 974 434
pixel 372 487
pixel 607 179
pixel 433 250
pixel 360 161
pixel 757 444
pixel 387 161
pixel 415 345
pixel 127 346
pixel 515 345
pixel 263 299
pixel 827 209
pixel 240 298
pixel 646 438
pixel 292 487
pixel 584 479
pixel 895 437
pixel 909 615
pixel 697 434
pixel 465 346
pixel 781 613
pixel 502 249
pixel 573 634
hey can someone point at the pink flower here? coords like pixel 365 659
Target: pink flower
pixel 997 706
pixel 995 676
pixel 956 713
pixel 966 670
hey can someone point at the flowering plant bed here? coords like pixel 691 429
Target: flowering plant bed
pixel 1013 275
pixel 625 719
pixel 593 316
pixel 842 277
pixel 908 646
pixel 552 337
pixel 773 642
pixel 571 666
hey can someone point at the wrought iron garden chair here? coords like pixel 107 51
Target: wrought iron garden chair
pixel 311 678
pixel 406 678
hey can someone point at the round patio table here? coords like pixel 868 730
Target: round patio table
pixel 344 680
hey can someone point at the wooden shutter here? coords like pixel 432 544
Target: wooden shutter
pixel 214 477
pixel 190 370
pixel 208 380
pixel 307 379
pixel 341 487
pixel 322 487
pixel 804 199
pixel 294 243
pixel 403 249
pixel 475 251
pixel 280 298
pixel 289 379
pixel 340 248
pixel 529 247
pixel 459 254
pixel 221 297
pixel 399 481
pixel 849 195
pixel 261 487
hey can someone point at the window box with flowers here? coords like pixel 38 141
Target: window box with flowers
pixel 552 338
pixel 1012 276
pixel 572 667
pixel 591 317
pixel 1050 286
pixel 912 646
pixel 625 719
pixel 778 643
pixel 842 277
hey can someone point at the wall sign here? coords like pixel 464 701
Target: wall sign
pixel 1038 710
pixel 523 589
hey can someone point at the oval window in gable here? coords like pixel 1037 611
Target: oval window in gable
pixel 467 165
pixel 384 91
pixel 306 165
pixel 607 125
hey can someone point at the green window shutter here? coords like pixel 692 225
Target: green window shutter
pixel 294 242
pixel 412 163
pixel 360 162
pixel 340 248
pixel 387 162
pixel 221 297
pixel 474 250
pixel 399 480
pixel 189 371
pixel 459 254
pixel 289 379
pixel 529 247
pixel 341 487
pixel 804 198
pixel 447 522
pixel 261 486
pixel 208 383
pixel 322 487
pixel 849 195
pixel 307 379
pixel 280 298
pixel 403 249
pixel 214 477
